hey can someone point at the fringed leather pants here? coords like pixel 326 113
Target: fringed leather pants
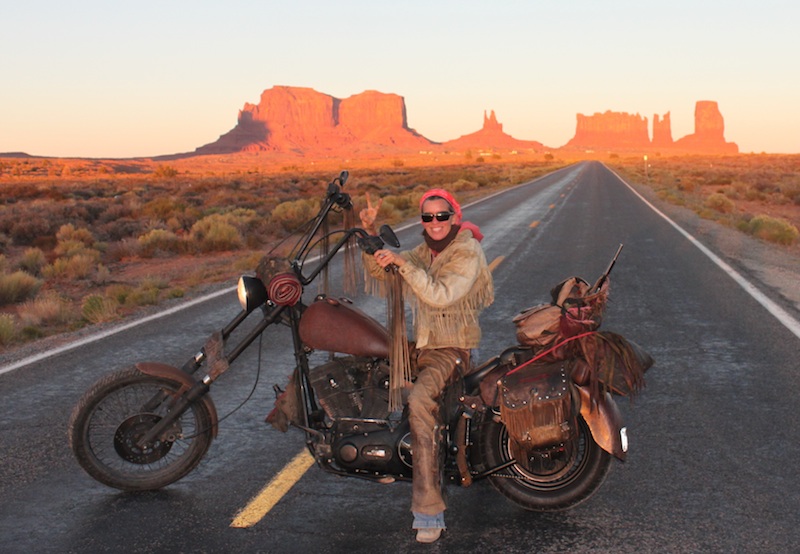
pixel 437 369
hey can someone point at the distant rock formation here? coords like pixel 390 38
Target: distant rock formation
pixel 610 130
pixel 625 132
pixel 491 137
pixel 662 131
pixel 709 131
pixel 303 121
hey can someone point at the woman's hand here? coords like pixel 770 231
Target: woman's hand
pixel 386 258
pixel 369 214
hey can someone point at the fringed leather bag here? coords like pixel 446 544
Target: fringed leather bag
pixel 537 405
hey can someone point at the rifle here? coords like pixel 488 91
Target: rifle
pixel 604 277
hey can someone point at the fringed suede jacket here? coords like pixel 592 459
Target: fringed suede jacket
pixel 449 291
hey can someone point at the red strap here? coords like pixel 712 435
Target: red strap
pixel 550 350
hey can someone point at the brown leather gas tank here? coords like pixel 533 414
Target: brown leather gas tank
pixel 335 325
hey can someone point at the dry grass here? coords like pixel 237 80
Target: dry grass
pixel 757 194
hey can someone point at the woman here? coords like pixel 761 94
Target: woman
pixel 450 283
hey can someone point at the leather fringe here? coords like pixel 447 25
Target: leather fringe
pixel 399 356
pixel 350 280
pixel 536 423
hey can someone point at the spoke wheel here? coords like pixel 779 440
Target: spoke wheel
pixel 109 421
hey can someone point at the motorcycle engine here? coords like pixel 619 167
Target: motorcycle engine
pixel 354 392
pixel 352 387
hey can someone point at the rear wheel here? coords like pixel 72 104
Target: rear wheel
pixel 550 479
pixel 114 414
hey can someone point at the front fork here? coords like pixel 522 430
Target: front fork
pixel 192 390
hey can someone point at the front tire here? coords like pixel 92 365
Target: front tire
pixel 116 411
pixel 570 477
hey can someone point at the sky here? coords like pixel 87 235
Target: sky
pixel 100 79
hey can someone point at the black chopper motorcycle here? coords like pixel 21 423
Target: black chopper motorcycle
pixel 537 420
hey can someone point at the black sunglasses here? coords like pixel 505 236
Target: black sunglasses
pixel 440 216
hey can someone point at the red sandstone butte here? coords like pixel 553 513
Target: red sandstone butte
pixel 491 137
pixel 709 130
pixel 625 132
pixel 662 131
pixel 303 121
pixel 616 130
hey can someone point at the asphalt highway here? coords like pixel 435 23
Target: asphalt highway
pixel 714 437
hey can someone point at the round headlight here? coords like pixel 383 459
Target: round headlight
pixel 251 292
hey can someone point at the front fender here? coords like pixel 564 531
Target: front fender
pixel 605 422
pixel 186 381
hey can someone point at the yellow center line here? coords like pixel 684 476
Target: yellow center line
pixel 497 261
pixel 265 500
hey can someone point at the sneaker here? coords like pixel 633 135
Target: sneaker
pixel 429 534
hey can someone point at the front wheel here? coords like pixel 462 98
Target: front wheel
pixel 107 423
pixel 554 479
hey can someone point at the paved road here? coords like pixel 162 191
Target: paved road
pixel 715 437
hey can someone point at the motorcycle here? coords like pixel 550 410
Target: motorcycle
pixel 537 420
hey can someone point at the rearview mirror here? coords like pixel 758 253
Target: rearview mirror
pixel 388 236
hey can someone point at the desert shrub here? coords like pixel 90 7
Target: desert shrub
pixel 102 275
pixel 145 294
pixel 293 213
pixel 754 195
pixel 791 191
pixel 400 202
pixel 773 229
pixel 765 186
pixel 97 308
pixel 46 309
pixel 463 185
pixel 165 171
pixel 18 286
pixel 32 261
pixel 69 233
pixel 214 233
pixel 71 248
pixel 163 208
pixel 118 292
pixel 26 230
pixel 720 203
pixel 115 212
pixel 125 248
pixel 79 266
pixel 159 242
pixel 8 329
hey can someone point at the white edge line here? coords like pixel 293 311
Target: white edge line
pixel 103 334
pixel 779 313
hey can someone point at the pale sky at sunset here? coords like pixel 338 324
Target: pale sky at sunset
pixel 124 79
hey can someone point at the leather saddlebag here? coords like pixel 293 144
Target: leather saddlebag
pixel 538 405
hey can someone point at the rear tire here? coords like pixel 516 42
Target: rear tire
pixel 111 416
pixel 577 474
